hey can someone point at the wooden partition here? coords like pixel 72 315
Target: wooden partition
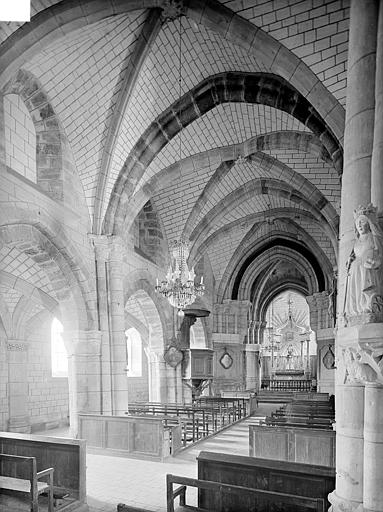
pixel 139 437
pixel 66 456
pixel 309 446
pixel 303 480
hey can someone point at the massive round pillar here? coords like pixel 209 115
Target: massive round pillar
pixel 351 373
pixel 373 448
pixel 377 152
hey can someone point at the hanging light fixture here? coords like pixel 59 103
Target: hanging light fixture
pixel 178 287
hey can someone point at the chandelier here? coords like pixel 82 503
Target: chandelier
pixel 179 287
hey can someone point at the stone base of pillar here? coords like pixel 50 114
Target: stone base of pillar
pixel 20 425
pixel 341 505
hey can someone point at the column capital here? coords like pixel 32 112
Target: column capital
pixel 16 345
pixel 107 246
pixel 360 354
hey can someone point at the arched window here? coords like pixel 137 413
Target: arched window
pixel 20 137
pixel 59 355
pixel 133 353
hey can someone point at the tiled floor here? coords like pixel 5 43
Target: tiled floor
pixel 139 483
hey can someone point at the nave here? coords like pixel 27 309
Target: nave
pixel 141 484
pixel 191 205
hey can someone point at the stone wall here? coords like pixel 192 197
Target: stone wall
pixel 48 399
pixel 20 137
pixel 3 385
pixel 148 238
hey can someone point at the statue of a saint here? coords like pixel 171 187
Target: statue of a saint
pixel 364 286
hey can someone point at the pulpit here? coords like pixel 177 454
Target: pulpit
pixel 198 369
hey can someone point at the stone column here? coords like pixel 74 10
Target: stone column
pixel 356 190
pixel 101 244
pixel 359 127
pixel 259 329
pixel 349 417
pixel 325 372
pixel 252 366
pixel 308 369
pixel 373 448
pixel 109 251
pixel 157 386
pixel 171 384
pixel 83 348
pixel 17 356
pixel 377 152
pixel 117 322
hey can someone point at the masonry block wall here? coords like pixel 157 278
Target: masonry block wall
pixel 48 400
pixel 20 137
pixel 148 238
pixel 3 385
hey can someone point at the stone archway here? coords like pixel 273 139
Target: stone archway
pixel 260 88
pixel 68 297
pixel 144 312
pixel 55 168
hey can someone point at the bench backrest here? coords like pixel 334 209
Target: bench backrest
pixel 308 446
pixel 66 456
pixel 271 475
pixel 18 466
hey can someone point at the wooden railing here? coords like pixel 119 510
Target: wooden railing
pixel 206 416
pixel 286 385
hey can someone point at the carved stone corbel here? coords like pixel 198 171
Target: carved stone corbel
pixel 362 364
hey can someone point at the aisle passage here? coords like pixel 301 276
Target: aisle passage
pixel 112 480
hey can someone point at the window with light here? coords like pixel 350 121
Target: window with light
pixel 133 353
pixel 59 356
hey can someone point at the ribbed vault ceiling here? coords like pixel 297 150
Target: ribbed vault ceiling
pixel 109 81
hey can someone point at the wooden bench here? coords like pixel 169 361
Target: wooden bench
pixel 200 419
pixel 67 456
pixel 270 497
pixel 20 474
pixel 304 445
pixel 276 476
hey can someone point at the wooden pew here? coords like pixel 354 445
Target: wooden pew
pixel 233 491
pixel 308 446
pixel 19 474
pixel 302 480
pixel 301 422
pixel 304 413
pixel 200 419
pixel 66 456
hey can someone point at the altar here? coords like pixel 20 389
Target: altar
pixel 286 350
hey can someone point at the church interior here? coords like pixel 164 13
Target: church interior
pixel 191 204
